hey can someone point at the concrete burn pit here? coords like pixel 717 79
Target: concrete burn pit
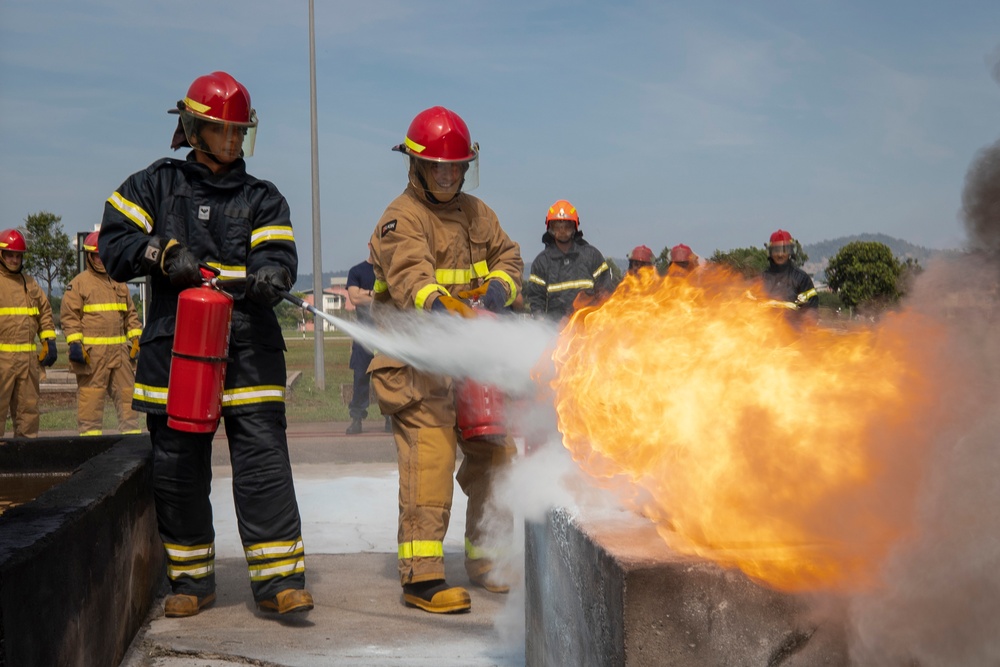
pixel 80 557
pixel 607 592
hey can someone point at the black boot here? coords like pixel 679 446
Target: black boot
pixel 388 424
pixel 354 428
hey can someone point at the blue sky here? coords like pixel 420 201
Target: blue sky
pixel 707 123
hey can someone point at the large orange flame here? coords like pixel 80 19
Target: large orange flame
pixel 791 451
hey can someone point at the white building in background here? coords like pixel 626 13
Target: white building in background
pixel 335 302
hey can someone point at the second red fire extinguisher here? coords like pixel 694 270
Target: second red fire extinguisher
pixel 479 408
pixel 198 365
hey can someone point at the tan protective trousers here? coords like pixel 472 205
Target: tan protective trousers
pixel 117 383
pixel 19 396
pixel 423 423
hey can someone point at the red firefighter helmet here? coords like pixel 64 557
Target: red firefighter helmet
pixel 641 253
pixel 12 240
pixel 440 135
pixel 781 241
pixel 780 236
pixel 90 243
pixel 219 97
pixel 680 253
pixel 562 210
pixel 216 98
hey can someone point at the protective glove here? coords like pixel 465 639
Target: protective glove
pixel 449 304
pixel 179 265
pixel 47 356
pixel 77 354
pixel 134 352
pixel 492 295
pixel 265 285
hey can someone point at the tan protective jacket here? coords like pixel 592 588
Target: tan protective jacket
pixel 421 248
pixel 25 312
pixel 99 312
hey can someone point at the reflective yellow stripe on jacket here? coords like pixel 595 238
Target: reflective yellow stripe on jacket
pixel 247 395
pixel 143 392
pixel 17 347
pixel 453 277
pixel 132 211
pixel 104 307
pixel 271 233
pixel 19 310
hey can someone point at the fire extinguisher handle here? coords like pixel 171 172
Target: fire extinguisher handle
pixel 208 272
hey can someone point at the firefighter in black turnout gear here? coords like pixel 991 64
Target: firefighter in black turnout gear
pixel 786 284
pixel 163 222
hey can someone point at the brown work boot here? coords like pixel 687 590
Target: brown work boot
pixel 178 604
pixel 288 601
pixel 487 581
pixel 437 597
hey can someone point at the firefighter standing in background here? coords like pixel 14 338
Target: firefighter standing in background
pixel 567 267
pixel 102 329
pixel 434 247
pixel 682 260
pixel 640 258
pixel 162 222
pixel 788 285
pixel 360 290
pixel 24 313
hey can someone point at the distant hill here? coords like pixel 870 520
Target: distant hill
pixel 820 253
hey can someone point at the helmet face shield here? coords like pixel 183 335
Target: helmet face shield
pixel 782 248
pixel 224 140
pixel 444 178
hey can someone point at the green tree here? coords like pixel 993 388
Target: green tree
pixel 866 274
pixel 663 261
pixel 50 257
pixel 748 262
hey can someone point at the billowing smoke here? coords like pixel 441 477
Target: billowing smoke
pixel 981 201
pixel 939 596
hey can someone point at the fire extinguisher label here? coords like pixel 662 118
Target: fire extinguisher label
pixel 204 212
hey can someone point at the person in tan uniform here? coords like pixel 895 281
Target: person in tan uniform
pixel 102 329
pixel 24 313
pixel 433 248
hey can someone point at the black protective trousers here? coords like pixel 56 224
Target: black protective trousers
pixel 267 512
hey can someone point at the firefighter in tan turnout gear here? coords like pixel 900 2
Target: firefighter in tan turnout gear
pixel 165 221
pixel 434 247
pixel 24 313
pixel 102 330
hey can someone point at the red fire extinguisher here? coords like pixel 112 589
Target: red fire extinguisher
pixel 198 366
pixel 479 408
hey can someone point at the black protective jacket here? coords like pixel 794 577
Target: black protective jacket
pixel 789 283
pixel 557 277
pixel 235 223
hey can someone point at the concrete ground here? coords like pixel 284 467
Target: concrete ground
pixel 347 492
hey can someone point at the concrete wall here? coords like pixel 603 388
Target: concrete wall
pixel 608 592
pixel 81 564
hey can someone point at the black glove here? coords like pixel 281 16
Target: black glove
pixel 76 353
pixel 48 354
pixel 264 285
pixel 179 265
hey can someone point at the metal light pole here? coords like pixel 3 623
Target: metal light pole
pixel 318 324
